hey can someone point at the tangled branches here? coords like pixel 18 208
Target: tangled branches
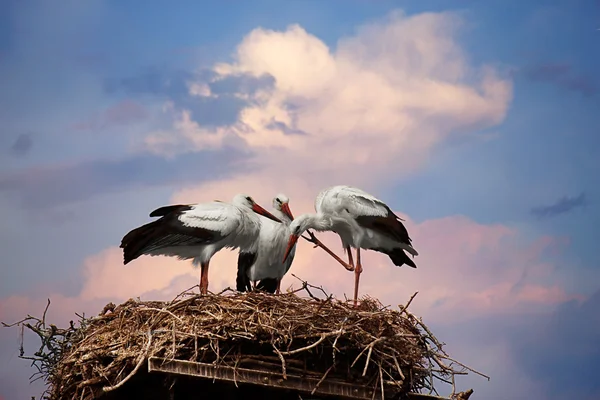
pixel 323 338
pixel 54 343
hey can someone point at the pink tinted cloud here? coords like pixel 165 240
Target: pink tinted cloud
pixel 378 103
pixel 123 113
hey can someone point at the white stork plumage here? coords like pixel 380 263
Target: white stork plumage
pixel 265 264
pixel 362 221
pixel 197 231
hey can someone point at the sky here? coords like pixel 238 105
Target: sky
pixel 475 121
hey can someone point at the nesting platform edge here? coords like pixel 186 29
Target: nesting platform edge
pixel 328 387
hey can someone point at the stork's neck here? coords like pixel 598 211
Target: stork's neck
pixel 319 222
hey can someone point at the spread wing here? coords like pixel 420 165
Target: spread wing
pixel 181 226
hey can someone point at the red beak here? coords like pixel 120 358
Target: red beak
pixel 285 208
pixel 259 210
pixel 291 243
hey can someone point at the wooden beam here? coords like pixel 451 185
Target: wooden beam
pixel 263 378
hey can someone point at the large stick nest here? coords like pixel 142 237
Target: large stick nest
pixel 309 336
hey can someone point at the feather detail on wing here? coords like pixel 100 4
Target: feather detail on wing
pixel 220 217
pixel 367 210
pixel 180 226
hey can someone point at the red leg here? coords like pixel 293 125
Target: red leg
pixel 204 278
pixel 253 285
pixel 357 272
pixel 313 239
pixel 278 287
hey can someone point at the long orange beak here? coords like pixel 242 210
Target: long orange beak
pixel 290 246
pixel 285 208
pixel 259 210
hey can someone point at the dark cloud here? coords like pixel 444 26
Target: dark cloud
pixel 242 83
pixel 152 81
pixel 563 76
pixel 221 109
pixel 561 206
pixel 562 350
pixel 22 144
pixel 47 187
pixel 274 124
pixel 123 113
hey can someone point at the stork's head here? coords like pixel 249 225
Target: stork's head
pixel 245 201
pixel 318 222
pixel 281 203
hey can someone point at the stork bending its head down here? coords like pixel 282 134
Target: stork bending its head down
pixel 197 231
pixel 361 221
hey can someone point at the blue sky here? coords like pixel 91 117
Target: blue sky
pixel 87 85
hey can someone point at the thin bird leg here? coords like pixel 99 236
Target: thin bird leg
pixel 278 287
pixel 204 278
pixel 313 239
pixel 350 261
pixel 253 285
pixel 357 272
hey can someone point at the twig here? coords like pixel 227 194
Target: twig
pixel 381 382
pixel 464 395
pixel 315 344
pixel 465 366
pixel 163 310
pixel 398 367
pixel 283 370
pixel 139 364
pixel 405 307
pixel 368 359
pixel 44 315
pixel 322 379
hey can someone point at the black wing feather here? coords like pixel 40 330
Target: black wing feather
pixel 245 261
pixel 268 285
pixel 162 211
pixel 168 231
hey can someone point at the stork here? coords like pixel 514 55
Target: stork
pixel 361 221
pixel 197 232
pixel 265 263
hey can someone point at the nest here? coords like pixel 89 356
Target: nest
pixel 309 336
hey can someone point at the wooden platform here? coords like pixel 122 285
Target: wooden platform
pixel 301 384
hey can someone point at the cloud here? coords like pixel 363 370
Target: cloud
pixel 22 145
pixel 105 276
pixel 377 104
pixel 123 113
pixel 154 81
pixel 561 206
pixel 563 76
pixel 209 101
pixel 54 185
pixel 561 351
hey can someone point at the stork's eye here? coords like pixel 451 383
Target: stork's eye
pixel 249 199
pixel 279 201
